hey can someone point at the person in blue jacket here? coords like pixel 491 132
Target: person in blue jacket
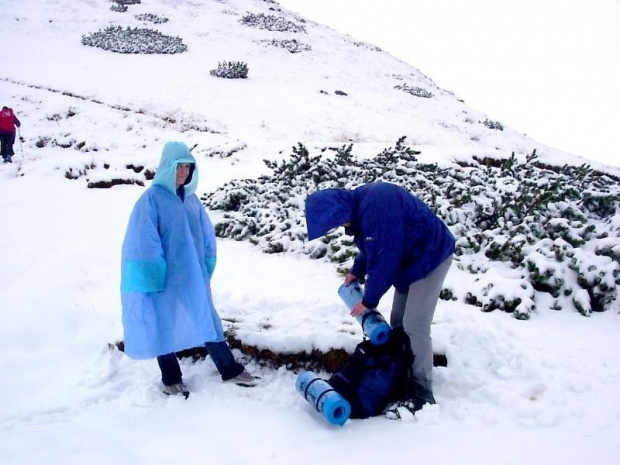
pixel 168 259
pixel 401 243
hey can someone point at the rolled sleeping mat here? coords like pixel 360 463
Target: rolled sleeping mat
pixel 373 324
pixel 335 408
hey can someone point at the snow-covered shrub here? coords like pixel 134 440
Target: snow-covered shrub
pixel 151 18
pixel 291 45
pixel 269 211
pixel 415 91
pixel 78 172
pixel 42 142
pixel 231 70
pixel 134 40
pixel 493 124
pixel 494 291
pixel 111 182
pixel 531 234
pixel 120 6
pixel 105 176
pixel 270 23
pixel 372 47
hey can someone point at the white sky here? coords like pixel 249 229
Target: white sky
pixel 547 68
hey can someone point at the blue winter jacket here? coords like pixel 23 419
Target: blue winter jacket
pixel 168 256
pixel 400 240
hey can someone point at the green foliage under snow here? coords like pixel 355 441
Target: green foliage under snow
pixel 231 70
pixel 531 234
pixel 416 91
pixel 271 23
pixel 134 40
pixel 291 45
pixel 151 18
pixel 120 6
pixel 491 124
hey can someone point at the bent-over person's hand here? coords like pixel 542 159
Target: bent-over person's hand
pixel 358 309
pixel 349 278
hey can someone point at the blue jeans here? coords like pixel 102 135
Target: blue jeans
pixel 220 354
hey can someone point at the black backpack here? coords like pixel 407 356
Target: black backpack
pixel 375 376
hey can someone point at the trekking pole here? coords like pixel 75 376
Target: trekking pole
pixel 21 148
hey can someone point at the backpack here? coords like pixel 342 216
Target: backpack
pixel 375 376
pixel 7 120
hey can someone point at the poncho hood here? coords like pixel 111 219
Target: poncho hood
pixel 174 153
pixel 327 209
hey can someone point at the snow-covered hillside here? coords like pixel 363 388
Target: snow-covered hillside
pixel 340 90
pixel 541 391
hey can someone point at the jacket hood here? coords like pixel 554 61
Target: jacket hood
pixel 166 175
pixel 326 210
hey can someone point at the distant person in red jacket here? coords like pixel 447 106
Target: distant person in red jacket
pixel 8 121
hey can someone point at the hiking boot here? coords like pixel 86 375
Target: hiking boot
pixel 244 379
pixel 178 389
pixel 413 405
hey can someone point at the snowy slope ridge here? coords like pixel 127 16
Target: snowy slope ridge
pixel 513 392
pixel 339 91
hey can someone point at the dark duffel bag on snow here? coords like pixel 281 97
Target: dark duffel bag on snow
pixel 375 376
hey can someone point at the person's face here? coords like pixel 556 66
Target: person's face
pixel 182 173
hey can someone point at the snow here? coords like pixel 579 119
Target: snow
pixel 478 49
pixel 542 391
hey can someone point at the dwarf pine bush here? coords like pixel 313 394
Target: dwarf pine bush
pixel 271 23
pixel 415 91
pixel 493 124
pixel 531 234
pixel 134 40
pixel 120 6
pixel 291 45
pixel 231 70
pixel 151 18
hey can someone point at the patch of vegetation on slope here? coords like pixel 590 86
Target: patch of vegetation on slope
pixel 530 233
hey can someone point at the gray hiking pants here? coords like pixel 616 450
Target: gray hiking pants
pixel 414 312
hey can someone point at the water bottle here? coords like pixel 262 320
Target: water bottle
pixel 373 324
pixel 335 408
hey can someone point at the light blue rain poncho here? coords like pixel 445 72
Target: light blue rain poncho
pixel 168 257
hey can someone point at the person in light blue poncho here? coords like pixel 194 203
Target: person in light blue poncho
pixel 168 259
